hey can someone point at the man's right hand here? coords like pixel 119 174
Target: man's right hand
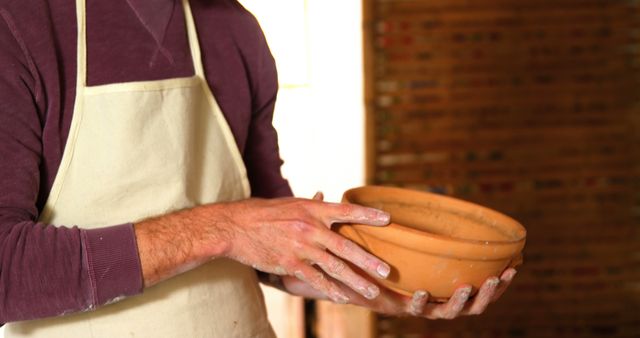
pixel 287 236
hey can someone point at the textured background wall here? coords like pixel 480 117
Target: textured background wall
pixel 530 107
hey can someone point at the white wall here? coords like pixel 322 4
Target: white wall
pixel 320 109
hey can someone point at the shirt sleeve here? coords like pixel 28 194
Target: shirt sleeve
pixel 46 270
pixel 262 155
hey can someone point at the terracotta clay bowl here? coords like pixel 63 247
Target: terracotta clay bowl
pixel 435 243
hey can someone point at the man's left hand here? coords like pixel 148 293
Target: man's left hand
pixel 391 303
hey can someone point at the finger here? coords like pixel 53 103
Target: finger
pixel 505 281
pixel 484 296
pixel 388 302
pixel 319 196
pixel 331 213
pixel 339 270
pixel 318 281
pixel 297 287
pixel 452 308
pixel 353 253
pixel 417 303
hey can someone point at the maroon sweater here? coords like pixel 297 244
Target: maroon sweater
pixel 47 270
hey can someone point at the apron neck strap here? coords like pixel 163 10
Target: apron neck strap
pixel 194 44
pixel 81 15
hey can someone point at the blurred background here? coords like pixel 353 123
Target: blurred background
pixel 530 107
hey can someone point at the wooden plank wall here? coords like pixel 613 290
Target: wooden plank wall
pixel 530 107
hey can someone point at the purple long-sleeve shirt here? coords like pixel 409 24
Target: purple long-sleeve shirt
pixel 51 269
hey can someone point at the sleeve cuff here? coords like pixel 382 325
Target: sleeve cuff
pixel 113 263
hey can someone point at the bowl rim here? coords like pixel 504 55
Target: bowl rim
pixel 456 202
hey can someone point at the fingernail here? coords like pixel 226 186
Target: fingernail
pixel 372 292
pixel 341 299
pixel 419 295
pixel 512 274
pixel 383 270
pixel 384 216
pixel 493 282
pixel 417 302
pixel 465 292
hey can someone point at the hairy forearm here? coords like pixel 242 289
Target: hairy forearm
pixel 180 241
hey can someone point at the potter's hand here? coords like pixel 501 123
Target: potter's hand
pixel 290 236
pixel 459 304
pixel 391 303
pixel 287 237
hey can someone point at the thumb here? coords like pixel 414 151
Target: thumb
pixel 319 196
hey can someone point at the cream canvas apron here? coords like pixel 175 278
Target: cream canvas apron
pixel 143 149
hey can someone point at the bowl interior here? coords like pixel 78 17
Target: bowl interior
pixel 439 215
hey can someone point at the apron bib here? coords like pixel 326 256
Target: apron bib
pixel 143 149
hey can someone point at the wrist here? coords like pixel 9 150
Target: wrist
pixel 209 231
pixel 174 243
